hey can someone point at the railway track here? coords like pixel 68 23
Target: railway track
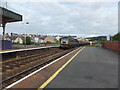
pixel 10 64
pixel 16 69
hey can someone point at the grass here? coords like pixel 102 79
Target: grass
pixel 94 45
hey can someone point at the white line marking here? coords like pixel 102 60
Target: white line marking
pixel 58 71
pixel 39 69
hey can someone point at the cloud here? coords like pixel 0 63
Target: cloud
pixel 61 0
pixel 81 19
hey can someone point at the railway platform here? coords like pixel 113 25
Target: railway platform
pixel 26 49
pixel 15 53
pixel 89 67
pixel 40 75
pixel 92 68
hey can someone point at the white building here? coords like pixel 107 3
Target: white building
pixel 57 38
pixel 19 40
pixel 36 39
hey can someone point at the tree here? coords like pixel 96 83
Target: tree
pixel 48 42
pixel 116 37
pixel 28 41
pixel 104 39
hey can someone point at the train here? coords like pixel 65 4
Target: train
pixel 70 42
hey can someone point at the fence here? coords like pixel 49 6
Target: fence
pixel 115 46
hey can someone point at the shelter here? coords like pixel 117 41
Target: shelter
pixel 8 16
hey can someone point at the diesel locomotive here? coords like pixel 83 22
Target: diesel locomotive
pixel 68 42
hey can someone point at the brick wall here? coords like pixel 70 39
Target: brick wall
pixel 115 46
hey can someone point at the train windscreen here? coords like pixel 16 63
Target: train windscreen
pixel 64 39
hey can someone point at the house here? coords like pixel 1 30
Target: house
pixel 36 39
pixel 57 38
pixel 13 38
pixel 18 39
pixel 32 39
pixel 41 39
pixel 7 37
pixel 50 39
pixel 80 39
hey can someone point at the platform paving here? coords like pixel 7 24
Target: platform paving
pixel 93 67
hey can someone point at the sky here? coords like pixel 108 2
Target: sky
pixel 81 18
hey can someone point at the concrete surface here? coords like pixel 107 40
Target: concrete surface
pixel 94 67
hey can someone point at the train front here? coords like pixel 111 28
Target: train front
pixel 64 43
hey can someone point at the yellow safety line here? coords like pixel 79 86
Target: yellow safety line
pixel 57 72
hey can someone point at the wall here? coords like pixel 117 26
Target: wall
pixel 5 44
pixel 115 46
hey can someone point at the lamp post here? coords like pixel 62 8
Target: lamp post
pixel 25 35
pixel 110 38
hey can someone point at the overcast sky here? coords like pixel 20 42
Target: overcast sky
pixel 83 19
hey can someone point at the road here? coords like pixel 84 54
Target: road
pixel 93 67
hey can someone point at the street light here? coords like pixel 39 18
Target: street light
pixel 25 35
pixel 110 38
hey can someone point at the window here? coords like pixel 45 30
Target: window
pixel 64 39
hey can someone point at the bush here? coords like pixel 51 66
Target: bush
pixel 48 42
pixel 28 41
pixel 116 37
